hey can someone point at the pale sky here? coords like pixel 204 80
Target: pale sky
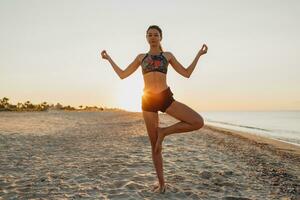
pixel 49 51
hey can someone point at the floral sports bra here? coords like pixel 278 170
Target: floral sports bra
pixel 154 63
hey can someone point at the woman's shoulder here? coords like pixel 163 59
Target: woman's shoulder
pixel 168 55
pixel 141 56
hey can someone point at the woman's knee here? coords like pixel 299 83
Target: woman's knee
pixel 156 153
pixel 198 123
pixel 152 138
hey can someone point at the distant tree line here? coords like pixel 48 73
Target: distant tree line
pixel 44 106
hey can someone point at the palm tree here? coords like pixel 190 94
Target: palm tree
pixel 4 102
pixel 26 104
pixel 38 107
pixel 19 106
pixel 44 105
pixel 29 105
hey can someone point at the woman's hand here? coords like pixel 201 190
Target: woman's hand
pixel 203 50
pixel 105 55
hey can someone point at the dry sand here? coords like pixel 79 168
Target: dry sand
pixel 107 155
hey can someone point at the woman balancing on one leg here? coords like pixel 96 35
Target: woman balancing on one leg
pixel 158 96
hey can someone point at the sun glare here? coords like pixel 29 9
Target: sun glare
pixel 129 95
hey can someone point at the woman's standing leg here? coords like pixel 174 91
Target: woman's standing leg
pixel 151 121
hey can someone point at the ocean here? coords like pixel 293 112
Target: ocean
pixel 279 125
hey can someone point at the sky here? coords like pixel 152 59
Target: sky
pixel 50 51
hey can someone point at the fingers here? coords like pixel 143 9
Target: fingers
pixel 204 48
pixel 104 54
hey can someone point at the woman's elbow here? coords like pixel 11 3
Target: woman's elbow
pixel 187 75
pixel 122 75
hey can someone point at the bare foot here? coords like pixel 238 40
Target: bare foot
pixel 160 189
pixel 154 187
pixel 160 139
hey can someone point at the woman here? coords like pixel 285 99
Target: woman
pixel 158 96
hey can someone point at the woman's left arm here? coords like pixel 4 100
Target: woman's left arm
pixel 186 72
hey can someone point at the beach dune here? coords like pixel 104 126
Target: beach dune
pixel 107 155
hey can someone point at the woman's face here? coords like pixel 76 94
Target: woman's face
pixel 153 37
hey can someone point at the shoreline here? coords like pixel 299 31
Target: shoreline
pixel 259 140
pixel 256 138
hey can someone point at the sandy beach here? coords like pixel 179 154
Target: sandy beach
pixel 107 155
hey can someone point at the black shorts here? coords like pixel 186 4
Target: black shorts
pixel 153 102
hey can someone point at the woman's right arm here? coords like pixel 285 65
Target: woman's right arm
pixel 122 73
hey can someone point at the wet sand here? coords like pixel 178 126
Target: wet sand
pixel 107 155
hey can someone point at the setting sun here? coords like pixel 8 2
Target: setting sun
pixel 130 92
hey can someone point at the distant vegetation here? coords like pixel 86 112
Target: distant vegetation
pixel 44 106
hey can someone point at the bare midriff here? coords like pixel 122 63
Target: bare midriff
pixel 155 82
